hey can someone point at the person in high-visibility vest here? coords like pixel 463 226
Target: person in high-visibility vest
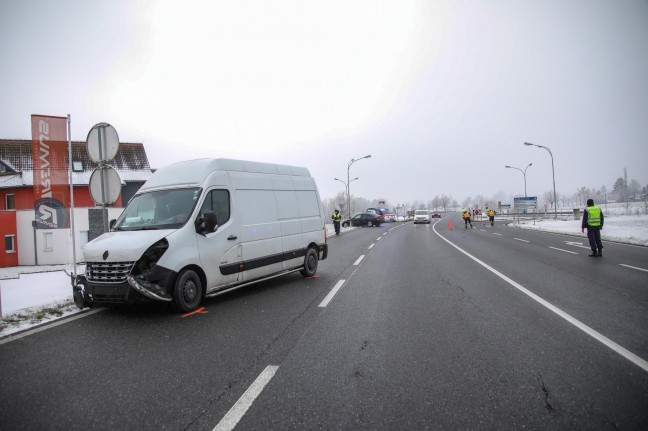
pixel 491 215
pixel 337 218
pixel 593 221
pixel 466 218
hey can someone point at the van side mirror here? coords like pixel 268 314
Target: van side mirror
pixel 206 224
pixel 111 224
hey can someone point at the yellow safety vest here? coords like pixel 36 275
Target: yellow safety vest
pixel 593 216
pixel 337 217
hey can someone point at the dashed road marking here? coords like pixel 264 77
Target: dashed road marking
pixel 331 294
pixel 566 251
pixel 520 239
pixel 371 246
pixel 495 233
pixel 357 262
pixel 237 411
pixel 633 267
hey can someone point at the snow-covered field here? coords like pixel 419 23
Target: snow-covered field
pixel 31 295
pixel 630 229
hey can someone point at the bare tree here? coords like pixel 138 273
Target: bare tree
pixel 445 202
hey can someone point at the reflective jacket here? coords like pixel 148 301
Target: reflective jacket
pixel 466 215
pixel 592 217
pixel 491 213
pixel 337 217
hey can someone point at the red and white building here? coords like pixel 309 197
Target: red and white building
pixel 22 243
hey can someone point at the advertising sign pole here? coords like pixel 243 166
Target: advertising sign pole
pixel 74 261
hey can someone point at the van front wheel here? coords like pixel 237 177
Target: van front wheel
pixel 310 263
pixel 188 291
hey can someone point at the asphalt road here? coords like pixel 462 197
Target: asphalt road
pixel 420 334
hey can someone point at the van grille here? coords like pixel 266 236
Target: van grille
pixel 108 273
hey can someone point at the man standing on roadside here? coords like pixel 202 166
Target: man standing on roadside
pixel 337 217
pixel 593 221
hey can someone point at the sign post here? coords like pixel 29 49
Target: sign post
pixel 105 185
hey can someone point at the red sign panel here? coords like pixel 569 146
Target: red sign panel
pixel 50 165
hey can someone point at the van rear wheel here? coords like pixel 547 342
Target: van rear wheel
pixel 188 291
pixel 310 263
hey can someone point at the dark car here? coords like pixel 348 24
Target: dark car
pixel 436 215
pixel 379 212
pixel 364 219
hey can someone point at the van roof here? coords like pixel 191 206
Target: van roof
pixel 193 172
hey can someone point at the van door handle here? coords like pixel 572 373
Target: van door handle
pixel 232 237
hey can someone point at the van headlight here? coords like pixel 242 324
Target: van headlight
pixel 150 257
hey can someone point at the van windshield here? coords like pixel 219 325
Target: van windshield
pixel 421 212
pixel 163 209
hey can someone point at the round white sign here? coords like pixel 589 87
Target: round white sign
pixel 102 142
pixel 105 185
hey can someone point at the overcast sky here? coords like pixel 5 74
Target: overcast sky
pixel 442 94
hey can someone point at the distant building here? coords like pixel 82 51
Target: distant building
pixel 24 245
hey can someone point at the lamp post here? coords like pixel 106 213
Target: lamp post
pixel 346 186
pixel 523 173
pixel 352 161
pixel 553 175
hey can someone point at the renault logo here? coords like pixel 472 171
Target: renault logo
pixel 105 255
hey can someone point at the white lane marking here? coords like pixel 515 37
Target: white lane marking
pixel 50 325
pixel 378 239
pixel 576 244
pixel 566 251
pixel 520 239
pixel 237 411
pixel 633 267
pixel 384 234
pixel 497 234
pixel 371 246
pixel 483 230
pixel 641 363
pixel 357 262
pixel 331 294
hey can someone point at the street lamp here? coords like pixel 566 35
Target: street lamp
pixel 352 161
pixel 552 173
pixel 523 173
pixel 346 187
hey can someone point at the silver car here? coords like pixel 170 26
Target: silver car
pixel 422 216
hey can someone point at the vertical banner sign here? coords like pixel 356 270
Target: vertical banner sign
pixel 50 165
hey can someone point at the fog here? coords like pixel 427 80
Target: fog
pixel 441 94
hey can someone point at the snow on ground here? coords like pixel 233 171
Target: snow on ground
pixel 630 229
pixel 32 295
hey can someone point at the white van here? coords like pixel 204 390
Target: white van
pixel 200 228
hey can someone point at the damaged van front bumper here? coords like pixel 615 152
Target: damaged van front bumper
pixel 110 284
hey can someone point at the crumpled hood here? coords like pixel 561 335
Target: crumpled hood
pixel 122 246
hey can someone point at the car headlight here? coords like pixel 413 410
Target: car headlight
pixel 150 258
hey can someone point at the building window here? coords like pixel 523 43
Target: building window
pixel 77 166
pixel 10 243
pixel 49 241
pixel 10 202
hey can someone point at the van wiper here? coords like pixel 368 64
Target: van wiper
pixel 146 228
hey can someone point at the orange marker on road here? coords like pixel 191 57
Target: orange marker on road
pixel 201 310
pixel 450 225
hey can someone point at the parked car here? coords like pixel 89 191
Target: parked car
pixel 422 216
pixel 435 215
pixel 363 219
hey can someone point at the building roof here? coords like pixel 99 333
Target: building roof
pixel 130 162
